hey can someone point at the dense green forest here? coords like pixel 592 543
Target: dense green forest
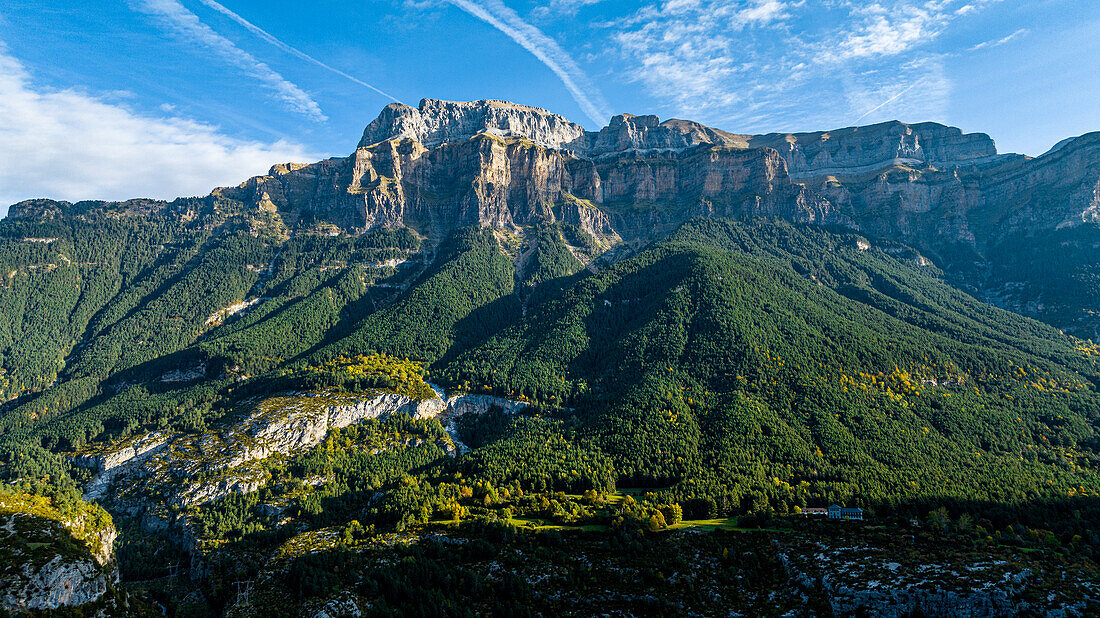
pixel 743 369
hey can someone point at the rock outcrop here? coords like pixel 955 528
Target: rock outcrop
pixel 863 149
pixel 866 580
pixel 61 582
pixel 50 560
pixel 438 122
pixel 189 469
pixel 627 132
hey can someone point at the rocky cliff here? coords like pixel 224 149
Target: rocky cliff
pixel 862 149
pixel 448 164
pixel 187 469
pixel 51 560
pixel 438 122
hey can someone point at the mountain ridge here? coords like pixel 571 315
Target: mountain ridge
pixel 948 194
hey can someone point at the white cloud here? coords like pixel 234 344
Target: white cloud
pixel 175 18
pixel 763 12
pixel 695 53
pixel 70 145
pixel 507 21
pixel 770 64
pixel 560 8
pixel 266 36
pixel 888 33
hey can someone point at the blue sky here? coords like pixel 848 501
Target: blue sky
pixel 158 98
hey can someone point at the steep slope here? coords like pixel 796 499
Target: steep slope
pixel 159 307
pixel 949 194
pixel 825 360
pixel 447 165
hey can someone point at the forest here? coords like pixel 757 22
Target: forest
pixel 737 370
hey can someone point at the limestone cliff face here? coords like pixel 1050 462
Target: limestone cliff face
pixel 976 204
pixel 863 149
pixel 62 582
pixel 50 560
pixel 486 180
pixel 437 122
pixel 189 469
pixel 629 132
pixel 448 164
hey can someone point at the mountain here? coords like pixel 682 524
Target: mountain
pixel 487 312
pixel 982 217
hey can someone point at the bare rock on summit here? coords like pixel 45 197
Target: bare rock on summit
pixel 629 132
pixel 863 149
pixel 437 122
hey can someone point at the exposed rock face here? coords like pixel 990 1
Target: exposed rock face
pixel 438 122
pixel 629 132
pixel 59 583
pixel 185 470
pixel 503 165
pixel 863 149
pixel 172 464
pixel 448 164
pixel 48 562
pixel 492 163
pixel 459 405
pixel 865 580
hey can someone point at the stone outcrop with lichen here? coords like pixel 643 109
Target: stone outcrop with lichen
pixel 181 470
pixel 52 558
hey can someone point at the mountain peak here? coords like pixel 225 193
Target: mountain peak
pixel 436 122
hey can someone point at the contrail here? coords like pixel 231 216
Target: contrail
pixel 177 19
pixel 887 101
pixel 267 36
pixel 504 19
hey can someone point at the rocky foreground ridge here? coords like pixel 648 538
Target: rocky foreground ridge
pixel 51 560
pixel 449 164
pixel 156 474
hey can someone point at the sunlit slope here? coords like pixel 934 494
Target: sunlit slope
pixel 759 356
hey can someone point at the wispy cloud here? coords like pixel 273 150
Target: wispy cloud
pixel 558 8
pixel 771 64
pixel 293 51
pixel 883 31
pixel 696 54
pixel 72 145
pixel 998 42
pixel 181 22
pixel 498 15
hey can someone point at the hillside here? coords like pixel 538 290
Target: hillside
pixel 487 325
pixel 801 362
